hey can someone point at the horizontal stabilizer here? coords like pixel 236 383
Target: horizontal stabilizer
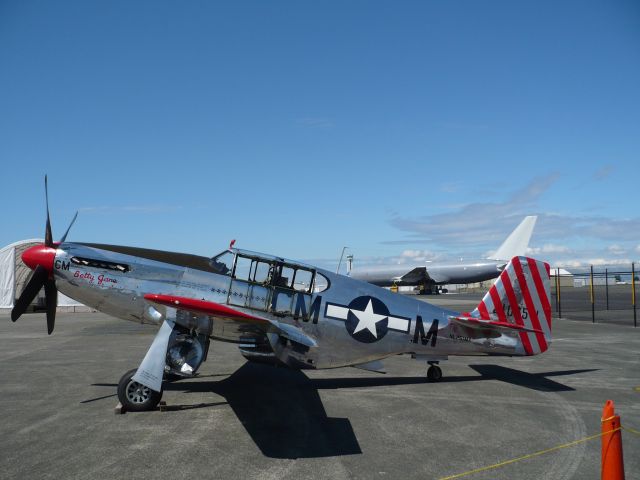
pixel 473 322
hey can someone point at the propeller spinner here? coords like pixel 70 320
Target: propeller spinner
pixel 40 259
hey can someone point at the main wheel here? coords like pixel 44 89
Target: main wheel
pixel 434 373
pixel 134 396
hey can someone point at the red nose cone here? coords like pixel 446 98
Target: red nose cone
pixel 39 255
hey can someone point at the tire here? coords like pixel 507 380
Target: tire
pixel 434 373
pixel 135 397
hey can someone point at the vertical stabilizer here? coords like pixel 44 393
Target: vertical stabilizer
pixel 521 296
pixel 516 244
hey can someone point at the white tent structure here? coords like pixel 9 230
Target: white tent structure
pixel 14 274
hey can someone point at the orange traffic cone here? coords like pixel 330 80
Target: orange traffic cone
pixel 612 463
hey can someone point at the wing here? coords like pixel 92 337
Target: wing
pixel 416 275
pixel 227 314
pixel 202 306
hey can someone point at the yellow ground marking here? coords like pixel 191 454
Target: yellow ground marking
pixel 535 454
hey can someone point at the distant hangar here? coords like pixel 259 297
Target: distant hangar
pixel 14 274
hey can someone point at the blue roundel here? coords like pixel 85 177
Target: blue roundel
pixel 367 319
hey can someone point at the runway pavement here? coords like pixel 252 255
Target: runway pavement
pixel 241 420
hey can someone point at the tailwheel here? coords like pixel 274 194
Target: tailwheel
pixel 134 396
pixel 434 373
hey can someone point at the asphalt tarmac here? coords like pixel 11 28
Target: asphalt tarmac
pixel 240 420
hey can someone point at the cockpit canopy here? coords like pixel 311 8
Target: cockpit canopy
pixel 268 270
pixel 223 262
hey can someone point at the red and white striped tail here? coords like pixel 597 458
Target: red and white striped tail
pixel 521 296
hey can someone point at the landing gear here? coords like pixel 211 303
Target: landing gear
pixel 429 288
pixel 134 396
pixel 434 373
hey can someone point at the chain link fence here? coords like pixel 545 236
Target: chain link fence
pixel 597 295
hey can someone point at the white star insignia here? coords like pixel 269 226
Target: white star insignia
pixel 367 319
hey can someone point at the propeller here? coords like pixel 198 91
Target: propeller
pixel 37 279
pixel 48 236
pixel 64 237
pixel 40 259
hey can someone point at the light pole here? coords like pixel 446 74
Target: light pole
pixel 340 261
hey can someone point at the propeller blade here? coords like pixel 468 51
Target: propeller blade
pixel 51 294
pixel 35 283
pixel 64 237
pixel 48 236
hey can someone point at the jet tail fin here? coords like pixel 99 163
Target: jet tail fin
pixel 520 297
pixel 517 242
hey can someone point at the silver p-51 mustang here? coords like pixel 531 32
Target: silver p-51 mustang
pixel 278 311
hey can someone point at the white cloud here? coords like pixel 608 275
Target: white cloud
pixel 616 249
pixel 565 239
pixel 418 256
pixel 482 223
pixel 596 262
pixel 410 253
pixel 475 223
pixel 548 248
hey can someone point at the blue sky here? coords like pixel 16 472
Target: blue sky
pixel 405 130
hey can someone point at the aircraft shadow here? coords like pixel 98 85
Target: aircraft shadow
pixel 281 409
pixel 535 381
pixel 282 412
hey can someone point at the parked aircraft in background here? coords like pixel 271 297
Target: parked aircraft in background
pixel 278 311
pixel 431 274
